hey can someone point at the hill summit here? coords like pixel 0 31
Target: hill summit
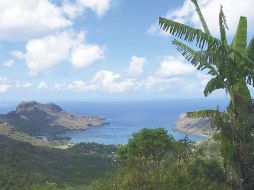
pixel 36 118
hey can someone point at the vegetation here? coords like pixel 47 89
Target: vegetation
pixel 231 67
pixel 148 144
pixel 152 159
pixel 181 165
pixel 14 134
pixel 23 165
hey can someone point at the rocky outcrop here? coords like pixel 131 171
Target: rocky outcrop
pixel 198 126
pixel 35 118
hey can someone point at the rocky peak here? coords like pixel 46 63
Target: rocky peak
pixel 35 106
pixel 53 107
pixel 26 106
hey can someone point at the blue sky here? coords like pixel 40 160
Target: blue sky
pixel 101 49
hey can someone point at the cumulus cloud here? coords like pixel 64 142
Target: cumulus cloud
pixel 174 72
pixel 78 85
pixel 111 82
pixel 153 81
pixel 233 10
pixel 42 85
pixel 20 84
pixel 22 19
pixel 61 87
pixel 46 52
pixel 4 85
pixel 42 54
pixel 4 88
pixel 8 63
pixel 155 29
pixel 76 8
pixel 171 66
pixel 85 55
pixel 25 19
pixel 136 66
pixel 171 71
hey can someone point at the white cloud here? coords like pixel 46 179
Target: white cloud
pixel 155 29
pixel 183 14
pixel 8 63
pixel 153 81
pixel 171 66
pixel 71 9
pixel 42 54
pixel 27 85
pixel 74 9
pixel 111 82
pixel 99 6
pixel 4 85
pixel 42 85
pixel 85 55
pixel 136 66
pixel 61 87
pixel 172 71
pixel 4 88
pixel 232 9
pixel 23 85
pixel 77 85
pixel 23 19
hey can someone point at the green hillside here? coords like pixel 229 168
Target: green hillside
pixel 22 164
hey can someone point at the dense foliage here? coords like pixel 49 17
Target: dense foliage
pixel 151 160
pixel 148 144
pixel 173 171
pixel 22 164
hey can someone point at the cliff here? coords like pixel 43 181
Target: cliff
pixel 35 118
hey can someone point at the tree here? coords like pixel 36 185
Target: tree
pixel 148 145
pixel 232 69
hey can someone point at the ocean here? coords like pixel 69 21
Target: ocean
pixel 125 118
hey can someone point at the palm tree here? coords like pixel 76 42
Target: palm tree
pixel 232 69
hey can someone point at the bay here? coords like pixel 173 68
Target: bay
pixel 125 118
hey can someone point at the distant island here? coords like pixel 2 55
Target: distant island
pixel 198 126
pixel 36 119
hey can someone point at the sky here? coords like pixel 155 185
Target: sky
pixel 103 50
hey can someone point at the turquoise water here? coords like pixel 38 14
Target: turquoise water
pixel 126 118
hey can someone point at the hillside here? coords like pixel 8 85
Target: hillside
pixel 22 164
pixel 49 119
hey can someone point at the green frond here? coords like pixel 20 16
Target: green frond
pixel 203 114
pixel 249 60
pixel 223 25
pixel 242 91
pixel 250 50
pixel 189 34
pixel 197 59
pixel 213 115
pixel 240 40
pixel 212 85
pixel 201 17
